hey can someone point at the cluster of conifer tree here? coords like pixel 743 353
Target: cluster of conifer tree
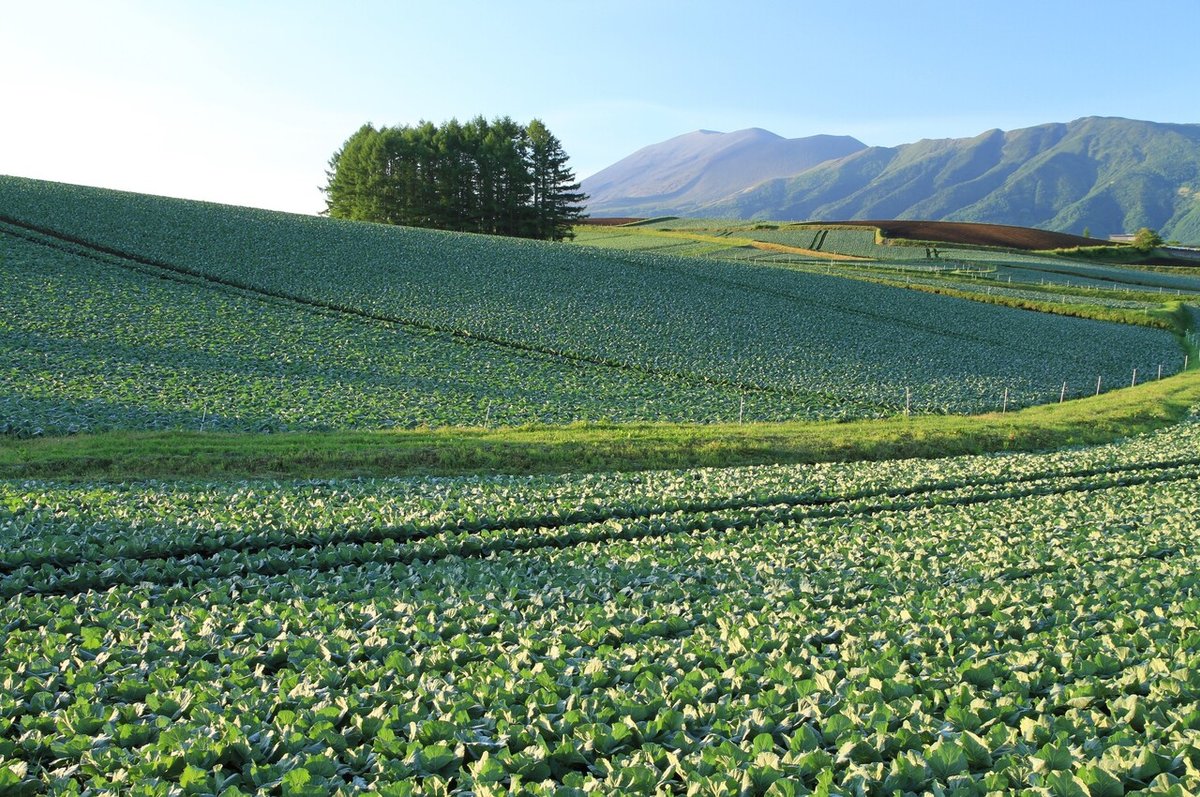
pixel 495 177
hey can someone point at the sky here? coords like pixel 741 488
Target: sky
pixel 245 101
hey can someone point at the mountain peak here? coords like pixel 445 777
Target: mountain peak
pixel 1107 174
pixel 707 165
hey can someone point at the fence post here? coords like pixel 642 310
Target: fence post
pixel 1004 407
pixel 1098 385
pixel 742 408
pixel 1062 393
pixel 907 401
pixel 1134 382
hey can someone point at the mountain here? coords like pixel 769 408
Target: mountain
pixel 1107 175
pixel 687 172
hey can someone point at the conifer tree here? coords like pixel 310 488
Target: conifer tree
pixel 557 201
pixel 495 177
pixel 355 177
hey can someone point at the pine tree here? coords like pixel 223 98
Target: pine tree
pixel 506 148
pixel 355 179
pixel 495 177
pixel 556 201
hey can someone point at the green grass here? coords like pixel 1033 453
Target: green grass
pixel 596 447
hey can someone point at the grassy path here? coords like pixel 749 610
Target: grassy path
pixel 454 451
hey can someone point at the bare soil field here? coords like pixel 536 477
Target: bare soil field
pixel 962 232
pixel 612 221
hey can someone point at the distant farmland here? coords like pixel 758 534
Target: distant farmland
pixel 971 233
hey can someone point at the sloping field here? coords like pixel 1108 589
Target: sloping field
pixel 91 344
pixel 630 336
pixel 1021 624
pixel 858 238
pixel 992 270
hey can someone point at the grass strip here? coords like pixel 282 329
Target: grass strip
pixel 594 447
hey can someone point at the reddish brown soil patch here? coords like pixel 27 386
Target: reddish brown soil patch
pixel 609 222
pixel 963 232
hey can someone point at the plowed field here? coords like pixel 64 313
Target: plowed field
pixel 961 232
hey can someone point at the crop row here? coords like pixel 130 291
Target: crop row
pixel 841 348
pixel 67 526
pixel 64 553
pixel 976 641
pixel 176 556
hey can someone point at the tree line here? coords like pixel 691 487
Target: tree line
pixel 495 177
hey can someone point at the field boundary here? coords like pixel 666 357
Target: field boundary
pixel 120 456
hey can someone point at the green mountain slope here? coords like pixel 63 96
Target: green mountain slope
pixel 1104 174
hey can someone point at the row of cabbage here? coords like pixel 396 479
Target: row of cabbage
pixel 992 284
pixel 969 640
pixel 842 348
pixel 255 515
pixel 989 282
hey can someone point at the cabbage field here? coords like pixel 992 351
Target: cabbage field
pixel 1001 623
pixel 1019 623
pixel 90 345
pixel 124 311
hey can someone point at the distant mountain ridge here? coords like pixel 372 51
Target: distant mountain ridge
pixel 1105 175
pixel 693 170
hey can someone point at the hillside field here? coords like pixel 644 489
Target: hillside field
pixel 441 329
pixel 295 506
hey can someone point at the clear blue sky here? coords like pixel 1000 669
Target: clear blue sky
pixel 244 102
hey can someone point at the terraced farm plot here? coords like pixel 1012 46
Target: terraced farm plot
pixel 638 331
pixel 967 625
pixel 662 245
